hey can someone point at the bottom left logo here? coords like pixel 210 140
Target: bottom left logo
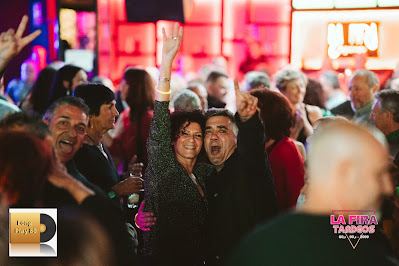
pixel 33 232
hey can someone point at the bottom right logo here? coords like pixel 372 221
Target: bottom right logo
pixel 353 225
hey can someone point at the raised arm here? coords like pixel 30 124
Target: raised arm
pixel 11 43
pixel 251 147
pixel 159 138
pixel 160 154
pixel 246 103
pixel 171 45
pixel 251 136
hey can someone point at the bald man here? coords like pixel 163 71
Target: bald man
pixel 347 170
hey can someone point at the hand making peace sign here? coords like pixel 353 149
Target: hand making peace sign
pixel 11 43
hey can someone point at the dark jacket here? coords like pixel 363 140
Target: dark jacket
pixel 215 103
pixel 99 170
pixel 309 239
pixel 242 194
pixel 344 109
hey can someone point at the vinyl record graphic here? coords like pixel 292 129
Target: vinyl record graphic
pixel 48 229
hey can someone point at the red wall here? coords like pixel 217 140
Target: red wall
pixel 214 28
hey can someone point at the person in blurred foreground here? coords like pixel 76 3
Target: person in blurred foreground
pixel 348 169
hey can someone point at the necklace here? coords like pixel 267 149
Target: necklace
pixel 100 146
pixel 194 179
pixel 94 142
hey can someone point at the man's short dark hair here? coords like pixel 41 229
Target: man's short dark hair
pixel 68 100
pixel 214 75
pixel 222 112
pixel 389 101
pixel 33 125
pixel 94 95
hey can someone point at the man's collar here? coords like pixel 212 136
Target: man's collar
pixel 393 136
pixel 229 163
pixel 365 109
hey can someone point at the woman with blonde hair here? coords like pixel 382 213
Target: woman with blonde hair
pixel 292 84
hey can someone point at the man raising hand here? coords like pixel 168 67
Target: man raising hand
pixel 240 189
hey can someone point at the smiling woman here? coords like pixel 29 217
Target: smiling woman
pixel 93 159
pixel 187 133
pixel 174 180
pixel 292 84
pixel 175 187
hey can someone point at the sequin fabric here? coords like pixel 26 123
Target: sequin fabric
pixel 170 193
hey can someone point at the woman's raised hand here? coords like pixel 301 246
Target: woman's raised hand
pixel 171 43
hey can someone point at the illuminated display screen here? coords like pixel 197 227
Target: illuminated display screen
pixel 330 4
pixel 355 3
pixel 339 35
pixel 312 4
pixel 388 3
pixel 345 39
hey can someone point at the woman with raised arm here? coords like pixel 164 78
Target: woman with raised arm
pixel 174 180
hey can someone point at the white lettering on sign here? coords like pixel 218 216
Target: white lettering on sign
pixel 362 38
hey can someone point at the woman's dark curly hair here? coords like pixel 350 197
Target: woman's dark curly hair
pixel 276 113
pixel 178 119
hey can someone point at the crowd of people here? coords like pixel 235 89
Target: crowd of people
pixel 162 175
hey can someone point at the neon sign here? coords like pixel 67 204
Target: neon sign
pixel 345 39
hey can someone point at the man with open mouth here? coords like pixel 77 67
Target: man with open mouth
pixel 240 189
